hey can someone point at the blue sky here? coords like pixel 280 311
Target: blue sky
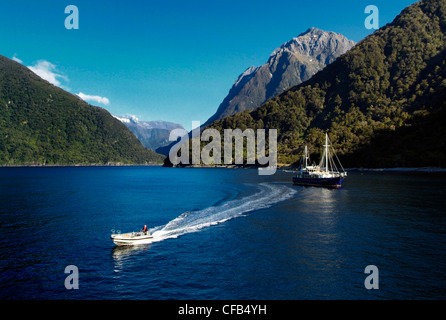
pixel 172 60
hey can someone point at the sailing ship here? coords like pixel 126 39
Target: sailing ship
pixel 326 174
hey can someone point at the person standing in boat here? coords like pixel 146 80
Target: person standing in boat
pixel 145 229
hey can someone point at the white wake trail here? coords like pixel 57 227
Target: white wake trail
pixel 194 221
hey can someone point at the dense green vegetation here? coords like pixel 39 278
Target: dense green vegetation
pixel 41 123
pixel 383 102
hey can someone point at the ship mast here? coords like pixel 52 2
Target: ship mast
pixel 326 152
pixel 306 157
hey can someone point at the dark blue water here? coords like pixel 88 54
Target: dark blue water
pixel 245 237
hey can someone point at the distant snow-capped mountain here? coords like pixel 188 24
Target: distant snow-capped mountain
pixel 152 134
pixel 289 65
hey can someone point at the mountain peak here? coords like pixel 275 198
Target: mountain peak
pixel 152 134
pixel 313 31
pixel 290 64
pixel 383 102
pixel 317 44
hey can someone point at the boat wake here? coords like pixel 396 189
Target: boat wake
pixel 193 221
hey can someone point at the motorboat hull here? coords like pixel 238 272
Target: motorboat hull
pixel 131 238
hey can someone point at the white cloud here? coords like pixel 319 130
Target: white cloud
pixel 132 117
pixel 16 59
pixel 98 99
pixel 47 71
pixel 129 118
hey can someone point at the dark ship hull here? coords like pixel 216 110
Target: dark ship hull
pixel 319 182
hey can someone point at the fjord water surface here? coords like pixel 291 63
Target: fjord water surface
pixel 219 234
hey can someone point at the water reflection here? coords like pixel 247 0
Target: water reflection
pixel 327 200
pixel 322 208
pixel 323 200
pixel 121 254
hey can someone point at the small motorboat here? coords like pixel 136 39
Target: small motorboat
pixel 131 238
